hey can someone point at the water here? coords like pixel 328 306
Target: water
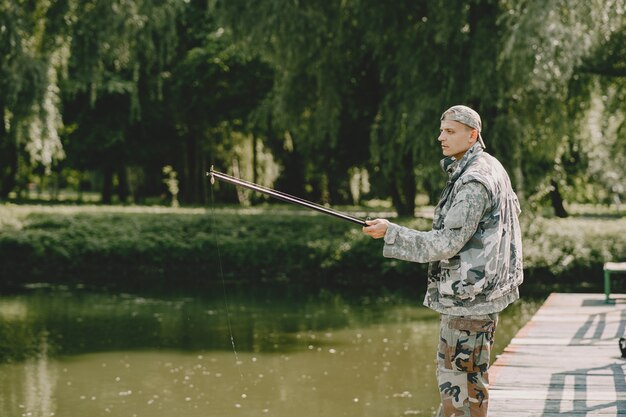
pixel 77 353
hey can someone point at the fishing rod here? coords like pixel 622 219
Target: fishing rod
pixel 282 196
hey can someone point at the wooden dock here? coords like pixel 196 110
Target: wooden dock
pixel 564 362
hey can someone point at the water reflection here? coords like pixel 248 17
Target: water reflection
pixel 85 354
pixel 28 389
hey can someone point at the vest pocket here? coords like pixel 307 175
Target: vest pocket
pixel 450 276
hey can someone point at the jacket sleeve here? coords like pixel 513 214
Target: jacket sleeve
pixel 461 222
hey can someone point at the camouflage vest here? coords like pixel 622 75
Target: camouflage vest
pixel 483 277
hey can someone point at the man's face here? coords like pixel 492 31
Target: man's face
pixel 456 138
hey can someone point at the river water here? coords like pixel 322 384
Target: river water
pixel 235 353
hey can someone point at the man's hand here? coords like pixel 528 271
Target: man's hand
pixel 376 228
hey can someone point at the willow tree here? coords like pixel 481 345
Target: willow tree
pixel 212 89
pixel 325 90
pixel 96 56
pixel 33 51
pixel 517 63
pixel 547 87
pixel 432 56
pixel 362 83
pixel 604 144
pixel 119 56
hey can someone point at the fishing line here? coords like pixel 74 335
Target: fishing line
pixel 213 174
pixel 221 270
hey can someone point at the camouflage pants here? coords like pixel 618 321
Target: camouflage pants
pixel 462 364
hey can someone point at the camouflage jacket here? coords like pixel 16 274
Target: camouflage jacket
pixel 475 249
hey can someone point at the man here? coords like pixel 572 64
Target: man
pixel 475 260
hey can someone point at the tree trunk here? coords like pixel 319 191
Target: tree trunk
pixel 193 161
pixel 8 159
pixel 396 200
pixel 9 177
pixel 518 172
pixel 292 178
pixel 557 200
pixel 199 175
pixel 204 182
pixel 184 184
pixel 404 188
pixel 338 184
pixel 409 196
pixel 255 161
pixel 123 191
pixel 107 185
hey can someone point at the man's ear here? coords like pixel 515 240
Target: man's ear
pixel 474 136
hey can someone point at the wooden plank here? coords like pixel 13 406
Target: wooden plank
pixel 564 362
pixel 555 341
pixel 572 413
pixel 561 395
pixel 527 408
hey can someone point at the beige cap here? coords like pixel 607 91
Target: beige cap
pixel 467 116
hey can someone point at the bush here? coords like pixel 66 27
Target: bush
pixel 139 248
pixel 563 245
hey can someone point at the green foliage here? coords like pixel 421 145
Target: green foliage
pixel 32 53
pixel 186 249
pixel 331 88
pixel 547 92
pixel 118 59
pixel 564 245
pixel 326 84
pixel 517 63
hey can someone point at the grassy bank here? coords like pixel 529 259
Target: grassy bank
pixel 159 248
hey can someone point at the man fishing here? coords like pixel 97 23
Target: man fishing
pixel 474 253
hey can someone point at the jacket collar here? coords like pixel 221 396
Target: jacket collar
pixel 454 168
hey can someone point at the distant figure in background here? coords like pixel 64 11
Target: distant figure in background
pixel 475 260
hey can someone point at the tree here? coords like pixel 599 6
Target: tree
pixel 325 91
pixel 32 55
pixel 433 56
pixel 119 54
pixel 332 88
pixel 212 88
pixel 546 89
pixel 605 146
pixel 388 70
pixel 517 63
